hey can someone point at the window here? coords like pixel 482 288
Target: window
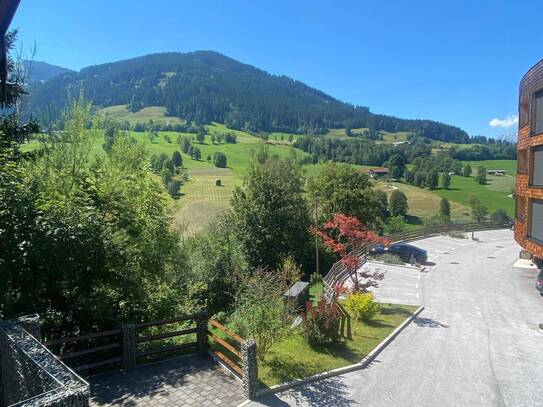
pixel 538 113
pixel 537 165
pixel 522 161
pixel 536 220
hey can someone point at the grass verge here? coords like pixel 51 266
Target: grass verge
pixel 293 358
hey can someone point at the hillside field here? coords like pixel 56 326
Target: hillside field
pixel 201 201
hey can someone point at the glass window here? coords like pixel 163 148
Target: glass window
pixel 537 161
pixel 536 220
pixel 538 113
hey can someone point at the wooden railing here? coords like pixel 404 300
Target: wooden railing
pixel 91 351
pixel 153 338
pixel 337 274
pixel 226 349
pixel 101 351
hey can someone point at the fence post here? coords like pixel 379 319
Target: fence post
pixel 201 334
pixel 250 368
pixel 129 345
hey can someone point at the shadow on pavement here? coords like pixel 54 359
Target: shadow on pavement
pixel 325 393
pixel 429 323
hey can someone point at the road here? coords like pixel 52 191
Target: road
pixel 476 343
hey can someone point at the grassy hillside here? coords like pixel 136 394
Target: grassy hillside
pixel 155 113
pixel 201 201
pixel 495 194
pixel 423 203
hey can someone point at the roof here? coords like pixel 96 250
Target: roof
pixel 380 170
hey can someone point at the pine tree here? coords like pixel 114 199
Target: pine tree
pixel 445 210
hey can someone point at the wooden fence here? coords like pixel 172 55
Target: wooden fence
pixel 107 350
pixel 91 351
pixel 226 349
pixel 337 274
pixel 166 336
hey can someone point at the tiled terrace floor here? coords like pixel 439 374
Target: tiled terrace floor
pixel 187 381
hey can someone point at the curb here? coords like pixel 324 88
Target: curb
pixel 342 370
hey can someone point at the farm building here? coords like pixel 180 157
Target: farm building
pixel 496 172
pixel 378 172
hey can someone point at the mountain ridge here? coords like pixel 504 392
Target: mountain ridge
pixel 41 71
pixel 205 86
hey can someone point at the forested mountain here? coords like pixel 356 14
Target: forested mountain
pixel 40 71
pixel 206 86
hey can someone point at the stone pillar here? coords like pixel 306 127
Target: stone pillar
pixel 129 345
pixel 31 324
pixel 250 368
pixel 201 334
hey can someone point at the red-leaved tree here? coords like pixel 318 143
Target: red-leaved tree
pixel 343 234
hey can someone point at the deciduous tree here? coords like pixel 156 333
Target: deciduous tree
pixel 343 234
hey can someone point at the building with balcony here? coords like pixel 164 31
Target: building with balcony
pixel 529 191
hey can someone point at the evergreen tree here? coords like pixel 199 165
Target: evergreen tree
pixel 445 210
pixel 466 170
pixel 177 159
pixel 185 144
pixel 174 187
pixel 481 175
pixel 196 154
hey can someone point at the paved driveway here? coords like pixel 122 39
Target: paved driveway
pixel 475 344
pixel 183 381
pixel 401 285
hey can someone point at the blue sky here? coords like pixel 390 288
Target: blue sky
pixel 459 61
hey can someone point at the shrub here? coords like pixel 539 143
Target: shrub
pixel 219 159
pixel 320 323
pixel 362 306
pixel 389 258
pixel 315 278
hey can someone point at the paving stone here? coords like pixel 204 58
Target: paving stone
pixel 188 381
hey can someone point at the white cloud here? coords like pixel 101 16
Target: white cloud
pixel 509 121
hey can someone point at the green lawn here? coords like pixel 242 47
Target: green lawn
pixel 509 165
pixel 294 358
pixel 493 195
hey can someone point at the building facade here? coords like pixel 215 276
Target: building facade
pixel 529 191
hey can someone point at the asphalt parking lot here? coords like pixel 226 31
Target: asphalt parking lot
pixel 401 285
pixel 477 342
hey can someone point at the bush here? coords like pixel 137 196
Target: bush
pixel 500 216
pixel 320 323
pixel 219 159
pixel 362 306
pixel 389 259
pixel 315 278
